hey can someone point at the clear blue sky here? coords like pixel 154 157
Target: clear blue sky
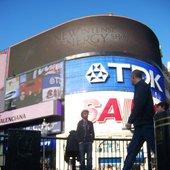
pixel 22 19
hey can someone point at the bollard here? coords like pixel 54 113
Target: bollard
pixel 162 140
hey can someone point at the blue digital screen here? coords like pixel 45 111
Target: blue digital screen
pixel 110 73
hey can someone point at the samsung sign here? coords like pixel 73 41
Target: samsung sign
pixel 110 73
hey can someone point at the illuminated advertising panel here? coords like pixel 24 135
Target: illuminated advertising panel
pixel 3 64
pixel 11 93
pixel 52 128
pixel 3 61
pixel 102 85
pixel 28 93
pixel 52 85
pixel 39 85
pixel 36 111
pixel 50 144
pixel 110 162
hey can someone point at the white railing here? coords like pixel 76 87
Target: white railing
pixel 107 153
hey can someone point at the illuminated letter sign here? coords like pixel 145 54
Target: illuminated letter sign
pixel 111 110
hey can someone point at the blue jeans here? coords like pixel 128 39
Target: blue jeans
pixel 85 148
pixel 140 135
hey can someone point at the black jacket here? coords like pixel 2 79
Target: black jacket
pixel 143 109
pixel 72 149
pixel 85 131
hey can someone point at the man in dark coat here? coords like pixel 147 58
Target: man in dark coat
pixel 142 119
pixel 85 136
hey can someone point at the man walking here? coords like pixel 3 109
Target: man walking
pixel 142 119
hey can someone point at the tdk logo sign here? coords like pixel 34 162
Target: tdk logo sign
pixel 110 73
pixel 96 73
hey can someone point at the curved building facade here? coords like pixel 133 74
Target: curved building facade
pixel 97 35
pixel 87 63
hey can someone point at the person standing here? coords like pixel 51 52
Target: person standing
pixel 85 137
pixel 142 119
pixel 161 107
pixel 72 150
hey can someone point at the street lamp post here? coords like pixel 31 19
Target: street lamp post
pixel 44 130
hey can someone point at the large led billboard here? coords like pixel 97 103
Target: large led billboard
pixel 41 84
pixel 103 86
pixel 34 94
pixel 93 34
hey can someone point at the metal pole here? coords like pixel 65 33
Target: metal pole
pixel 43 154
pixel 149 157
